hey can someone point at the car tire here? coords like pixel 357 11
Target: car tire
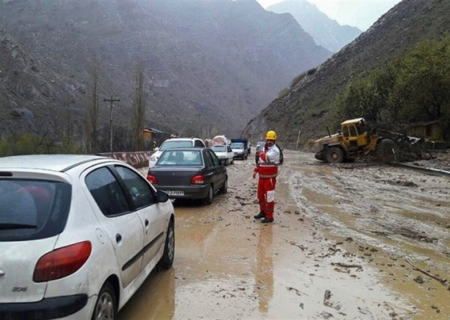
pixel 168 256
pixel 209 198
pixel 224 188
pixel 335 155
pixel 106 305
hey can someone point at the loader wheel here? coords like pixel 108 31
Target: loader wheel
pixel 335 155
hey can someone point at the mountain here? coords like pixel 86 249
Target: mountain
pixel 210 65
pixel 361 14
pixel 325 31
pixel 304 110
pixel 26 89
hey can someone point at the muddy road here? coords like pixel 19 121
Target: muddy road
pixel 351 241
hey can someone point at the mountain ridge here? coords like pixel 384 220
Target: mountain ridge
pixel 326 32
pixel 305 109
pixel 209 71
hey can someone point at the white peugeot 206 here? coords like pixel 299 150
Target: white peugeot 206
pixel 79 234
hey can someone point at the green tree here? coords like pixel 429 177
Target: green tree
pixel 423 82
pixel 414 87
pixel 362 99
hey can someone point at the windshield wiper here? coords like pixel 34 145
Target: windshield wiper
pixel 7 226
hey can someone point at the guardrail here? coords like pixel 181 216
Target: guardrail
pixel 138 159
pixel 428 170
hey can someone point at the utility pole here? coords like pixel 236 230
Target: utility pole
pixel 298 137
pixel 111 101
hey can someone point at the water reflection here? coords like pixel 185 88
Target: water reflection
pixel 154 300
pixel 264 268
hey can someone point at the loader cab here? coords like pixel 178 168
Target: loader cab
pixel 354 133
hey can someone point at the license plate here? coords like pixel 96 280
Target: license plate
pixel 175 193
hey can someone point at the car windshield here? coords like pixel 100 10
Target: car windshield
pixel 237 145
pixel 176 144
pixel 260 144
pixel 180 158
pixel 219 148
pixel 29 205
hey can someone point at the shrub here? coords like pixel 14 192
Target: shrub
pixel 283 93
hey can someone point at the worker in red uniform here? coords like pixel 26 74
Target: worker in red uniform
pixel 267 168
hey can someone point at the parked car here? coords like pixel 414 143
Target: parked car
pixel 175 143
pixel 240 150
pixel 259 145
pixel 79 235
pixel 189 173
pixel 224 153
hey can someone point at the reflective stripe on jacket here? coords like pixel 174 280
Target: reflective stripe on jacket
pixel 268 162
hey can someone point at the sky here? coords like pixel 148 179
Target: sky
pixel 356 13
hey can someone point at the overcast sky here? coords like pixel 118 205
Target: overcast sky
pixel 357 13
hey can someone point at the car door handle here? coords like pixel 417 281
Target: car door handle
pixel 146 222
pixel 118 237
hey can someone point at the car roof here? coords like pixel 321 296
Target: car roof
pixel 182 139
pixel 185 149
pixel 53 162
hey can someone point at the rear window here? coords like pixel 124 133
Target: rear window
pixel 32 209
pixel 219 148
pixel 180 158
pixel 176 144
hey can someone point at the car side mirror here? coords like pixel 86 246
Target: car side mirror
pixel 156 149
pixel 161 196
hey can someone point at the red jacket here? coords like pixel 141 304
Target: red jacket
pixel 269 159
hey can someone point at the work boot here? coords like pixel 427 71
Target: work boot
pixel 266 220
pixel 260 215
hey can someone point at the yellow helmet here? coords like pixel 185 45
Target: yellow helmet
pixel 271 135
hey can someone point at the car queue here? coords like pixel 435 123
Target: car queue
pixel 81 233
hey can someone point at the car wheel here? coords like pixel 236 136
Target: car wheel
pixel 209 198
pixel 224 188
pixel 166 261
pixel 106 306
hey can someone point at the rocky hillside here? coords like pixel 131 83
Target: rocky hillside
pixel 210 65
pixel 325 31
pixel 306 107
pixel 26 89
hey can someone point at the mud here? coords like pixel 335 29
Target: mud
pixel 351 241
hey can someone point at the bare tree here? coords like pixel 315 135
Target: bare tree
pixel 138 118
pixel 93 108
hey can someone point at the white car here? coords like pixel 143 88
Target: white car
pixel 224 153
pixel 79 234
pixel 174 143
